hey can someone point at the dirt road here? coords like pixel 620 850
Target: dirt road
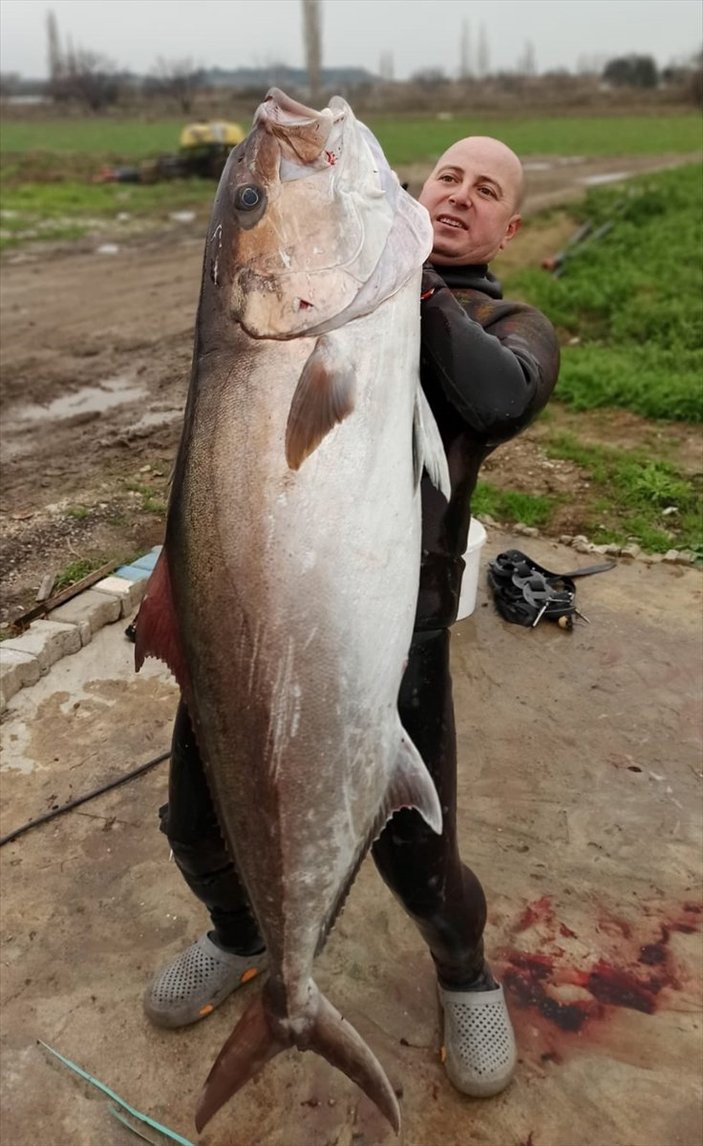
pixel 95 358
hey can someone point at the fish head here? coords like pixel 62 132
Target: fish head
pixel 301 223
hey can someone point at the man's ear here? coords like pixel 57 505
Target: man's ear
pixel 511 230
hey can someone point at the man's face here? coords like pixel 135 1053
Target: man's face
pixel 472 197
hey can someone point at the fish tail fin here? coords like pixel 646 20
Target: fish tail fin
pixel 259 1036
pixel 333 1037
pixel 250 1046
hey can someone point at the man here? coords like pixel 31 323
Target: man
pixel 487 368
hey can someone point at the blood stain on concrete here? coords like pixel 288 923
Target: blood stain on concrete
pixel 536 981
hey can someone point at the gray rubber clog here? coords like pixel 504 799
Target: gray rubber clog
pixel 478 1051
pixel 196 981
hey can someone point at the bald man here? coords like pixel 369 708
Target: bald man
pixel 487 368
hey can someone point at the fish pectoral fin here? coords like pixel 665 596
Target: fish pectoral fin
pixel 428 449
pixel 411 786
pixel 156 625
pixel 323 397
pixel 248 1049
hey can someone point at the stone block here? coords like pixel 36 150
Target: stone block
pixel 48 641
pixel 89 611
pixel 128 593
pixel 16 670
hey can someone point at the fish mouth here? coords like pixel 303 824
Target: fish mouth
pixel 452 221
pixel 305 136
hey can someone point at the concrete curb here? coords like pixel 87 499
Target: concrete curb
pixel 24 659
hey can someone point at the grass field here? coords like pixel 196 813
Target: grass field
pixel 628 304
pixel 404 139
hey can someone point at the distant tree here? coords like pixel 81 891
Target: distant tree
pixel 631 71
pixel 10 84
pixel 527 63
pixel 178 79
pixel 428 77
pixel 88 78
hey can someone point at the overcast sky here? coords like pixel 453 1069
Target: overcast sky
pixel 419 33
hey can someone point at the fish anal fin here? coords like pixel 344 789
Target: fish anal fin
pixel 411 786
pixel 323 397
pixel 156 626
pixel 248 1049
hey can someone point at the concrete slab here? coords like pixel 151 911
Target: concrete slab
pixel 90 611
pixel 16 670
pixel 579 808
pixel 48 641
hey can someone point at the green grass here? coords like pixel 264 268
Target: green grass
pixel 76 571
pixel 126 139
pixel 414 140
pixel 152 502
pixel 509 505
pixel 72 209
pixel 78 512
pixel 632 299
pixel 406 139
pixel 629 491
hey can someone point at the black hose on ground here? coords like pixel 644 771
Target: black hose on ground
pixel 83 799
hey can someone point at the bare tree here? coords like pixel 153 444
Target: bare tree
pixel 178 79
pixel 313 47
pixel 88 78
pixel 527 63
pixel 429 77
pixel 10 84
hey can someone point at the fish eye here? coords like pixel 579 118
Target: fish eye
pixel 247 197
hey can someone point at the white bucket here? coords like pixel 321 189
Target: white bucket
pixel 472 558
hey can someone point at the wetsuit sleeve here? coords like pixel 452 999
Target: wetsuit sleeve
pixel 496 361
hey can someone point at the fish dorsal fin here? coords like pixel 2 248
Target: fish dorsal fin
pixel 324 396
pixel 411 786
pixel 156 626
pixel 428 449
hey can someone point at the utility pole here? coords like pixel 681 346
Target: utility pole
pixel 54 53
pixel 465 52
pixel 313 48
pixel 482 55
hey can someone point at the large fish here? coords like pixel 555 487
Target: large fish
pixel 285 594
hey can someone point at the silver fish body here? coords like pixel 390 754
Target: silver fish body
pixel 291 563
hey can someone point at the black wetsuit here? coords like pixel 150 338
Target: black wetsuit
pixel 487 367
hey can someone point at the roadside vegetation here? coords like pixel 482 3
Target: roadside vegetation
pixel 628 300
pixel 627 304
